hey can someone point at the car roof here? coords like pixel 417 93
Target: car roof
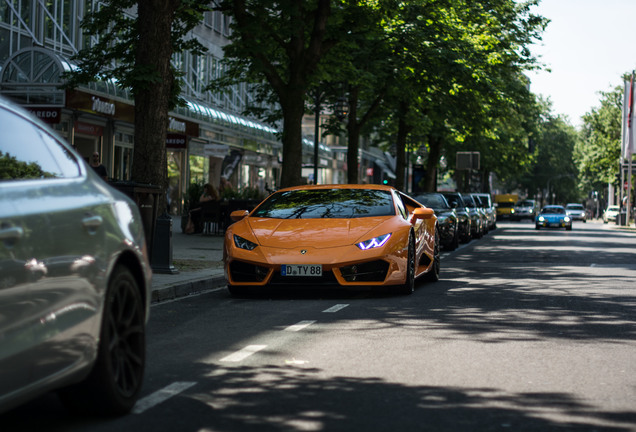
pixel 340 186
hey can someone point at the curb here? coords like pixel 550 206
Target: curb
pixel 187 288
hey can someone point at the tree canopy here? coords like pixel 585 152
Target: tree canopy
pixel 449 72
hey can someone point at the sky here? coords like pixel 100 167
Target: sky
pixel 588 45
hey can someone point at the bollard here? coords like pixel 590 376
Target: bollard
pixel 161 260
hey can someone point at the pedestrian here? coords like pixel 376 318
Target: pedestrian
pixel 194 215
pixel 224 186
pixel 98 167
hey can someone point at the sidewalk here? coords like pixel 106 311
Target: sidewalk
pixel 198 259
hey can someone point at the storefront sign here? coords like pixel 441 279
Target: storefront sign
pixel 82 101
pixel 103 107
pixel 175 125
pixel 88 129
pixel 177 141
pixel 47 115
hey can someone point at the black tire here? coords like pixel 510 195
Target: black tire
pixel 433 273
pixel 409 284
pixel 455 241
pixel 113 386
pixel 537 227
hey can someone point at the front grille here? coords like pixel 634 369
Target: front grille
pixel 374 271
pixel 245 272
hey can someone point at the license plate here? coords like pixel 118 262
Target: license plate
pixel 301 270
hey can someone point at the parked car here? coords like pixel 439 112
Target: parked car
pixel 553 216
pixel 74 279
pixel 338 236
pixel 576 212
pixel 610 213
pixel 446 218
pixel 477 216
pixel 525 209
pixel 464 221
pixel 489 206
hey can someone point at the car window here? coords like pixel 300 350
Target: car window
pixel 401 206
pixel 433 201
pixel 327 203
pixel 28 152
pixel 553 210
pixel 574 207
pixel 455 200
pixel 468 200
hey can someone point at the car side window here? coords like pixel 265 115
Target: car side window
pixel 28 152
pixel 401 207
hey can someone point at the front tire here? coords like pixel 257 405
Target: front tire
pixel 409 284
pixel 433 273
pixel 113 386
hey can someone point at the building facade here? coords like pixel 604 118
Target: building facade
pixel 207 139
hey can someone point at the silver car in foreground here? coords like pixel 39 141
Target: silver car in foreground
pixel 74 276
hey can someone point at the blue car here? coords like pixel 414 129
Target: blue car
pixel 553 216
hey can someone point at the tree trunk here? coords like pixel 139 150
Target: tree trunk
pixel 400 146
pixel 434 151
pixel 353 139
pixel 293 106
pixel 153 54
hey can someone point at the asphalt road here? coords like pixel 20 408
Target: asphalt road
pixel 526 331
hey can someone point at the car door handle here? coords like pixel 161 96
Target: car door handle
pixel 92 223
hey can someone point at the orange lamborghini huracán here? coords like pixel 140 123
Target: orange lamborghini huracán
pixel 332 235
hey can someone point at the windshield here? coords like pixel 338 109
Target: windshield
pixel 454 200
pixel 553 210
pixel 574 207
pixel 327 203
pixel 525 204
pixel 433 201
pixel 469 201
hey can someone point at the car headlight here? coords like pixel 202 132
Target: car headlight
pixel 443 220
pixel 541 219
pixel 242 243
pixel 566 219
pixel 374 242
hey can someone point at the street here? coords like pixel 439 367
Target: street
pixel 525 331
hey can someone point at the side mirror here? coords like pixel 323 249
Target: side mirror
pixel 423 213
pixel 237 215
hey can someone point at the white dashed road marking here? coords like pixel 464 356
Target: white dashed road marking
pixel 299 326
pixel 243 354
pixel 161 396
pixel 336 308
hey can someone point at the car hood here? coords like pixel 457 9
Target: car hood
pixel 319 233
